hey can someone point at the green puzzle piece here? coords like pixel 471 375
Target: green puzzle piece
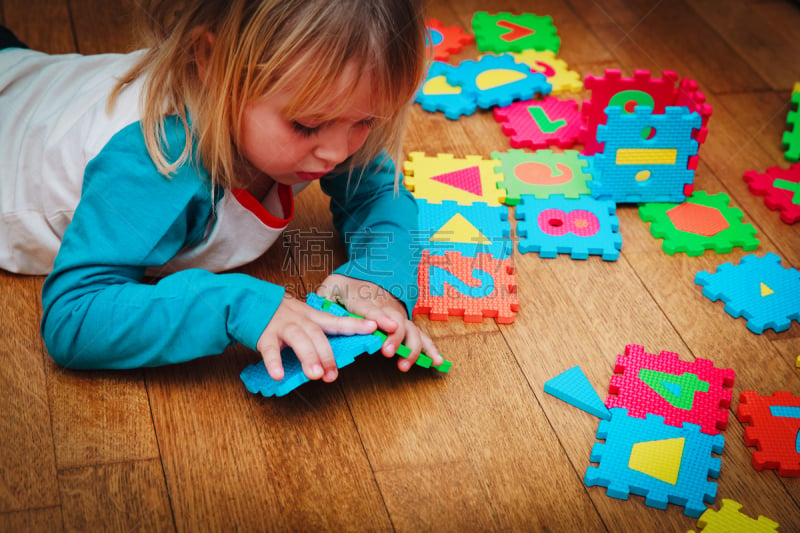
pixel 505 32
pixel 541 174
pixel 791 138
pixel 678 391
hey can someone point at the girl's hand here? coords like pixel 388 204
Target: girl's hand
pixel 303 328
pixel 375 303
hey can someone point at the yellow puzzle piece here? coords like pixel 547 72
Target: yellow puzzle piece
pixel 446 177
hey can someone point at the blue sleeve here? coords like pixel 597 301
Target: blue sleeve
pixel 98 313
pixel 378 228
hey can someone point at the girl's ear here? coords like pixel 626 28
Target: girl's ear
pixel 203 46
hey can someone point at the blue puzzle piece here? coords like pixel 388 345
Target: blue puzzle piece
pixel 572 386
pixel 693 461
pixel 758 288
pixel 498 80
pixel 635 168
pixel 580 227
pixel 436 94
pixel 345 350
pixel 469 229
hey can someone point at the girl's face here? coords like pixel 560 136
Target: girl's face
pixel 305 149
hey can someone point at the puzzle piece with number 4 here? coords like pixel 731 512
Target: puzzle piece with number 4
pixel 774 429
pixel 758 288
pixel 680 391
pixel 472 287
pixel 780 188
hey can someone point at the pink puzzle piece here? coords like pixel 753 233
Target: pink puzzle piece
pixel 680 391
pixel 780 188
pixel 541 123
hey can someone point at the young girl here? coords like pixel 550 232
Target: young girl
pixel 181 160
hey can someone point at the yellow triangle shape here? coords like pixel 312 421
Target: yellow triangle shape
pixel 766 291
pixel 660 459
pixel 459 229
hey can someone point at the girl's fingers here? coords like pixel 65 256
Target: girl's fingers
pixel 305 350
pixel 325 356
pixel 413 341
pixel 343 325
pixel 271 354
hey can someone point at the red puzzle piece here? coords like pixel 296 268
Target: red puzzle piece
pixel 541 123
pixel 446 40
pixel 475 287
pixel 774 426
pixel 785 196
pixel 680 391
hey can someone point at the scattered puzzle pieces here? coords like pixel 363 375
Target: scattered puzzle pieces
pixel 572 386
pixel 780 188
pixel 541 174
pixel 679 391
pixel 758 288
pixel 555 70
pixel 445 177
pixel 467 229
pixel 703 222
pixel 663 463
pixel 472 287
pixel 791 137
pixel 446 40
pixel 541 123
pixel 505 32
pixel 774 429
pixel 646 155
pixel 436 94
pixel 729 519
pixel 497 80
pixel 581 227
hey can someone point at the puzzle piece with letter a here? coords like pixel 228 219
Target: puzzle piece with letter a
pixel 506 32
pixel 679 391
pixel 780 188
pixel 472 287
pixel 664 463
pixel 445 177
pixel 758 288
pixel 774 429
pixel 730 519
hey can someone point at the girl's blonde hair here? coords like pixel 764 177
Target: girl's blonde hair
pixel 260 47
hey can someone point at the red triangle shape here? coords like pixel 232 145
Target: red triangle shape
pixel 467 179
pixel 517 31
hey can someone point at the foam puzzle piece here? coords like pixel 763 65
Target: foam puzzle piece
pixel 446 40
pixel 612 89
pixel 541 123
pixel 791 137
pixel 572 386
pixel 730 519
pixel 703 222
pixel 665 464
pixel 581 227
pixel 774 429
pixel 690 97
pixel 639 170
pixel 467 229
pixel 758 288
pixel 780 188
pixel 541 174
pixel 497 80
pixel 506 32
pixel 445 177
pixel 436 94
pixel 472 287
pixel 555 70
pixel 679 391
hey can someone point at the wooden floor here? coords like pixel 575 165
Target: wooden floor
pixel 483 448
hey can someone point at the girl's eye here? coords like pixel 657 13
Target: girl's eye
pixel 304 131
pixel 368 123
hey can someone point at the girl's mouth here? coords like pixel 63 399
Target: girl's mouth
pixel 310 176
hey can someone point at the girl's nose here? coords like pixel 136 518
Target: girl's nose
pixel 333 146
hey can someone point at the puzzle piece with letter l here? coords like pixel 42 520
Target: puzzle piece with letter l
pixel 665 464
pixel 791 137
pixel 497 80
pixel 703 222
pixel 472 287
pixel 679 391
pixel 554 69
pixel 730 519
pixel 467 229
pixel 446 40
pixel 540 123
pixel 541 174
pixel 646 155
pixel 445 177
pixel 758 288
pixel 581 227
pixel 507 32
pixel 780 188
pixel 774 429
pixel 438 95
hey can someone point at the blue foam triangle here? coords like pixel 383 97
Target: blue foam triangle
pixel 572 386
